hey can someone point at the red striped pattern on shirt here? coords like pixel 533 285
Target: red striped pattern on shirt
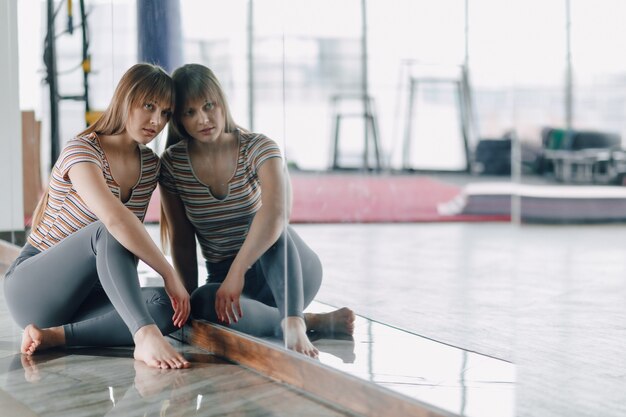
pixel 66 212
pixel 221 226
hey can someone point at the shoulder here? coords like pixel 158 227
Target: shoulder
pixel 82 148
pixel 256 141
pixel 88 143
pixel 174 159
pixel 258 148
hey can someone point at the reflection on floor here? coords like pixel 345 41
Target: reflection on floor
pixel 380 372
pixel 109 382
pixel 446 377
pixel 550 299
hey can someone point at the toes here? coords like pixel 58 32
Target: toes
pixel 184 363
pixel 174 363
pixel 153 363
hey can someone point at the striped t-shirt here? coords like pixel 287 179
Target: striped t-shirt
pixel 221 225
pixel 66 212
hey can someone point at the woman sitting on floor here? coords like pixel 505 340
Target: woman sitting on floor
pixel 75 282
pixel 229 188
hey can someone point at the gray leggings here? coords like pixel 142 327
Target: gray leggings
pixel 88 284
pixel 263 297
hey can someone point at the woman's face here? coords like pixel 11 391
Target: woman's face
pixel 203 119
pixel 145 122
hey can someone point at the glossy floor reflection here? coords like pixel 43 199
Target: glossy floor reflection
pixel 452 379
pixel 549 298
pixel 109 382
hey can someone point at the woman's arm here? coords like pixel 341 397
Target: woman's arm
pixel 128 230
pixel 265 229
pixel 182 238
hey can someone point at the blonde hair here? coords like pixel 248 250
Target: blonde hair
pixel 141 83
pixel 192 82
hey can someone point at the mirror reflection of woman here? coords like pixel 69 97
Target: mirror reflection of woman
pixel 228 188
pixel 75 282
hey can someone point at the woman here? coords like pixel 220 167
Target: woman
pixel 228 188
pixel 75 282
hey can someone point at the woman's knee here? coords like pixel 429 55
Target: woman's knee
pixel 312 269
pixel 100 235
pixel 98 230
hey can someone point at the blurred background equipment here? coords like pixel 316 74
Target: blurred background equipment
pixel 52 72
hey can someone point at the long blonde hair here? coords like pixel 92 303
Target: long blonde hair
pixel 192 82
pixel 141 83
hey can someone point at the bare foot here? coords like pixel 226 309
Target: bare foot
pixel 35 338
pixel 294 330
pixel 152 348
pixel 340 321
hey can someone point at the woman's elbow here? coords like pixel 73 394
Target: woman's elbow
pixel 113 219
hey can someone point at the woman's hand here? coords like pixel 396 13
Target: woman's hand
pixel 227 304
pixel 180 299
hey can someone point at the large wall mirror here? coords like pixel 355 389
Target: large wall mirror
pixel 386 115
pixel 379 110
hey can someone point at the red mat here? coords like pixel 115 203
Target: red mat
pixel 350 198
pixel 337 198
